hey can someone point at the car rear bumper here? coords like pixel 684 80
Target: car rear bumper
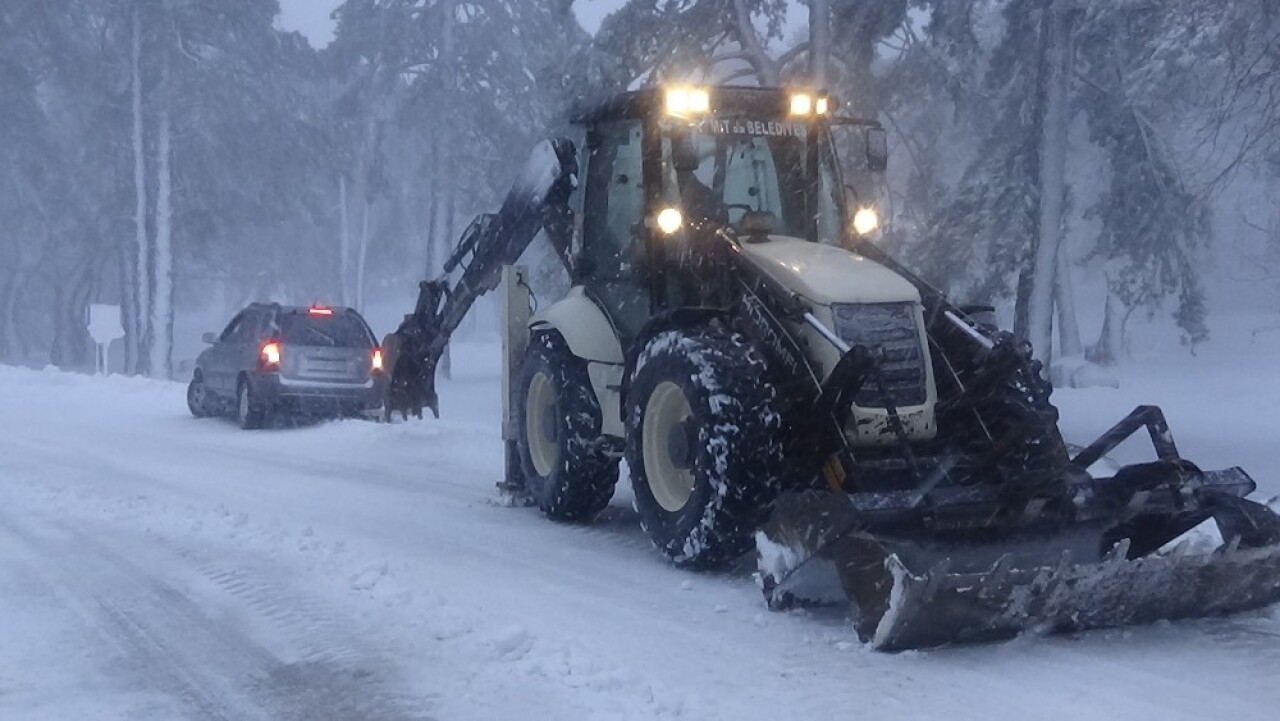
pixel 277 390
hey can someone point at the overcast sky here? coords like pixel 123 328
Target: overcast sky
pixel 311 17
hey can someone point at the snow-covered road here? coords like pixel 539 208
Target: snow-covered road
pixel 153 566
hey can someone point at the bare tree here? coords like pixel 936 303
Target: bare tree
pixel 1053 162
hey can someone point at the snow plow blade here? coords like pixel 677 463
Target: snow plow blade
pixel 912 587
pixel 939 608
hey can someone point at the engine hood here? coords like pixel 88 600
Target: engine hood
pixel 826 274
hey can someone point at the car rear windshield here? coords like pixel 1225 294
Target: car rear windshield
pixel 340 330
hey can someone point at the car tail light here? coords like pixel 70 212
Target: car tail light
pixel 269 356
pixel 376 364
pixel 320 310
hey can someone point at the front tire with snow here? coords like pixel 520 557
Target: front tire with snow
pixel 567 468
pixel 703 445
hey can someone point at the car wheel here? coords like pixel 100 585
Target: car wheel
pixel 702 445
pixel 250 413
pixel 198 400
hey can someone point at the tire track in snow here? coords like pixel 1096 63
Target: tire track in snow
pixel 167 643
pixel 499 663
pixel 517 650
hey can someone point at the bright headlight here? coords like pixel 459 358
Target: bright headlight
pixel 699 101
pixel 670 220
pixel 801 104
pixel 688 101
pixel 865 221
pixel 822 106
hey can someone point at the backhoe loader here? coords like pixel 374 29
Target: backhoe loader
pixel 777 382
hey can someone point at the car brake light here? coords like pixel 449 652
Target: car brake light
pixel 269 356
pixel 376 364
pixel 320 310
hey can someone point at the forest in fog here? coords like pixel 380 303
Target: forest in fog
pixel 1079 163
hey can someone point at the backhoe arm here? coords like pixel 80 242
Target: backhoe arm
pixel 539 200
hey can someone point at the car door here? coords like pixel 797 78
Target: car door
pixel 247 345
pixel 220 366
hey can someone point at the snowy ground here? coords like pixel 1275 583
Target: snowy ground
pixel 153 566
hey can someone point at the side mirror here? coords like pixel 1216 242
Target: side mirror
pixel 209 338
pixel 756 225
pixel 877 149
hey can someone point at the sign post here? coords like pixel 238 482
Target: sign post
pixel 104 327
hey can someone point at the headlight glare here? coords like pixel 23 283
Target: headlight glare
pixel 865 220
pixel 682 101
pixel 670 220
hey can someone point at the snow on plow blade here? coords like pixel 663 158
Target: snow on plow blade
pixel 924 590
pixel 939 607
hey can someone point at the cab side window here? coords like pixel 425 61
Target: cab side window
pixel 254 324
pixel 244 328
pixel 233 329
pixel 614 203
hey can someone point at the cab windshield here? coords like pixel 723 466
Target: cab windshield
pixel 719 170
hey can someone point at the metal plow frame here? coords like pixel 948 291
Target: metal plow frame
pixel 946 567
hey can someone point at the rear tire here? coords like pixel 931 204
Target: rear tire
pixel 250 413
pixel 703 445
pixel 198 401
pixel 563 455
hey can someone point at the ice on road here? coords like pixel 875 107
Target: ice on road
pixel 154 566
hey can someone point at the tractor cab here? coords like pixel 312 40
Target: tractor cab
pixel 666 167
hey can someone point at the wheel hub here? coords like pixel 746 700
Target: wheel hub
pixel 541 424
pixel 550 428
pixel 669 446
pixel 680 444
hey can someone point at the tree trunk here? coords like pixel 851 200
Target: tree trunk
pixel 7 298
pixel 14 340
pixel 162 303
pixel 353 283
pixel 1111 341
pixel 1065 299
pixel 819 42
pixel 1053 156
pixel 72 348
pixel 428 229
pixel 448 21
pixel 362 253
pixel 854 32
pixel 137 299
pixel 442 182
pixel 1022 301
pixel 449 216
pixel 767 70
pixel 128 304
pixel 344 240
